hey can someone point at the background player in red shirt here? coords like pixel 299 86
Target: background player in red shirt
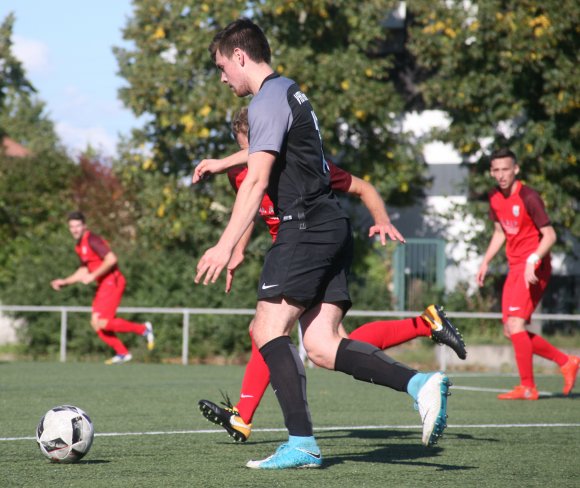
pixel 99 264
pixel 236 420
pixel 520 219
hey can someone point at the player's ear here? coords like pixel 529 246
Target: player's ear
pixel 516 169
pixel 239 56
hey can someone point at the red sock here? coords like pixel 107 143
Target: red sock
pixel 543 348
pixel 387 333
pixel 254 384
pixel 113 341
pixel 524 353
pixel 123 326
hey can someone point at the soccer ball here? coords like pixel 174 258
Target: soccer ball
pixel 65 434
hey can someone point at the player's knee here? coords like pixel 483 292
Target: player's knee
pixel 321 356
pixel 98 324
pixel 514 325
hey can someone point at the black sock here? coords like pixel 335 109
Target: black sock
pixel 288 379
pixel 368 363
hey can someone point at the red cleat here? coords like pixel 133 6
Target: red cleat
pixel 520 392
pixel 569 371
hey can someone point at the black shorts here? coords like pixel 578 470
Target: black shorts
pixel 309 266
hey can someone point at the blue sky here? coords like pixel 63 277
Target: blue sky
pixel 66 48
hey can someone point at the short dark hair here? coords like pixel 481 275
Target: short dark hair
pixel 240 124
pixel 503 152
pixel 76 215
pixel 243 34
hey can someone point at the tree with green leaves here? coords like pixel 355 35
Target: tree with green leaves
pixel 332 48
pixel 337 50
pixel 506 72
pixel 13 81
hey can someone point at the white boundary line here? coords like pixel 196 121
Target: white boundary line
pixel 318 429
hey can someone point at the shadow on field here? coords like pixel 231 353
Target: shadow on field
pixel 390 435
pixel 385 451
pixel 559 395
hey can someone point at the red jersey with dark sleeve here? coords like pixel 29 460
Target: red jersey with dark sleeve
pixel 91 250
pixel 521 216
pixel 340 180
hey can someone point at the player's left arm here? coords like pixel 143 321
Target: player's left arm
pixel 109 262
pixel 374 203
pixel 547 240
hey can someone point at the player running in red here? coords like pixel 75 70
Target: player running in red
pixel 520 218
pixel 237 420
pixel 99 264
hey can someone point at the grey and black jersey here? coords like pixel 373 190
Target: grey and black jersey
pixel 282 121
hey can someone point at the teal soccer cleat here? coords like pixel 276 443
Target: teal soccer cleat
pixel 432 406
pixel 286 457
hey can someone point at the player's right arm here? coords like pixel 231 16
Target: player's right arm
pixel 238 256
pixel 495 244
pixel 246 206
pixel 212 166
pixel 80 274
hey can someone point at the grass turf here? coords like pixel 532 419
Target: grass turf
pixel 150 433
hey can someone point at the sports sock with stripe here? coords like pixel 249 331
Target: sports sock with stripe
pixel 288 379
pixel 368 363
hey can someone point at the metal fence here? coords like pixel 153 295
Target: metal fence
pixel 187 312
pixel 419 263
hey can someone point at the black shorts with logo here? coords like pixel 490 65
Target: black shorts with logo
pixel 309 266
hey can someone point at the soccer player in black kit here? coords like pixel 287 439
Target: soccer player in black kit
pixel 305 272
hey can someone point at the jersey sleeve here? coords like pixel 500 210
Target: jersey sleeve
pixel 340 180
pixel 99 245
pixel 268 128
pixel 535 207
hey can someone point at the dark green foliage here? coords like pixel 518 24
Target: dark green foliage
pixel 506 73
pixel 13 81
pixel 502 62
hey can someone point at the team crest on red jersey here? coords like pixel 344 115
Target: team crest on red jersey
pixel 516 210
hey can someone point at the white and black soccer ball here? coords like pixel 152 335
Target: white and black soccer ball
pixel 65 434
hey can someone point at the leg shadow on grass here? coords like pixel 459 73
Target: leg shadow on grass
pixel 385 451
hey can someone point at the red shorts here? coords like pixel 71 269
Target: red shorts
pixel 108 296
pixel 519 301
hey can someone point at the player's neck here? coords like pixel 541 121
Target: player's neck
pixel 510 190
pixel 263 70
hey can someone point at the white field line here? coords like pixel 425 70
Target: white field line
pixel 349 427
pixel 318 429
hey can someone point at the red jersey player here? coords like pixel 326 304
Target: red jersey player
pixel 236 420
pixel 520 219
pixel 99 264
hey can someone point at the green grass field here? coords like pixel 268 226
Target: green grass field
pixel 149 432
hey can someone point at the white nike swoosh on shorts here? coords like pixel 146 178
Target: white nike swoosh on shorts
pixel 265 286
